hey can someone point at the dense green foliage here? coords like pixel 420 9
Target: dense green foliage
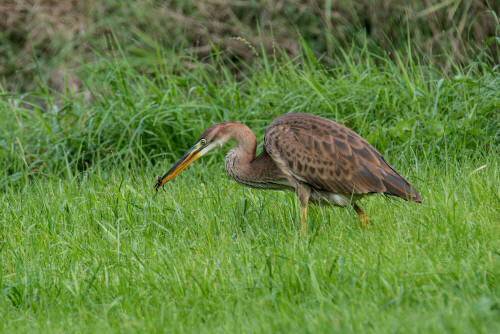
pixel 133 118
pixel 97 253
pixel 85 248
pixel 64 34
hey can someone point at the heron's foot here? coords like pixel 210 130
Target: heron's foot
pixel 365 221
pixel 304 219
pixel 363 217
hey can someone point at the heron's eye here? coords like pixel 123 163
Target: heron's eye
pixel 203 141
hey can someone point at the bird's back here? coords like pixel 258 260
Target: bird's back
pixel 329 156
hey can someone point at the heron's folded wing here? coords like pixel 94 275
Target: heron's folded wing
pixel 331 157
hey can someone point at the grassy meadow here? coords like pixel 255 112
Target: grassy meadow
pixel 85 248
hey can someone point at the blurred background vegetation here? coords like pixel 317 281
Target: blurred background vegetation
pixel 65 34
pixel 93 83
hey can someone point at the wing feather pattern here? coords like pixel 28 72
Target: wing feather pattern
pixel 331 157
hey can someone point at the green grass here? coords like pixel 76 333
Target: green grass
pixel 98 253
pixel 138 113
pixel 84 247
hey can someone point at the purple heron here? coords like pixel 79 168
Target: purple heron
pixel 320 160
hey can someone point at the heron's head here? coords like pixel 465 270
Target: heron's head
pixel 213 137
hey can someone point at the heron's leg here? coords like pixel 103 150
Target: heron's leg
pixel 304 192
pixel 363 217
pixel 304 218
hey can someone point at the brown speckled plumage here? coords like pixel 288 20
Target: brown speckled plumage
pixel 321 160
pixel 331 157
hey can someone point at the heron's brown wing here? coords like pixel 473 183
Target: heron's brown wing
pixel 331 157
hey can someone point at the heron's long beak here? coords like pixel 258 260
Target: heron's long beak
pixel 191 156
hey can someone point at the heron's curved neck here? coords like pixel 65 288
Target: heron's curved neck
pixel 245 168
pixel 246 144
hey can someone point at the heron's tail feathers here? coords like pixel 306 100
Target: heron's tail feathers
pixel 397 186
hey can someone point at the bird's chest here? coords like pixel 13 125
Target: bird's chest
pixel 237 171
pixel 234 170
